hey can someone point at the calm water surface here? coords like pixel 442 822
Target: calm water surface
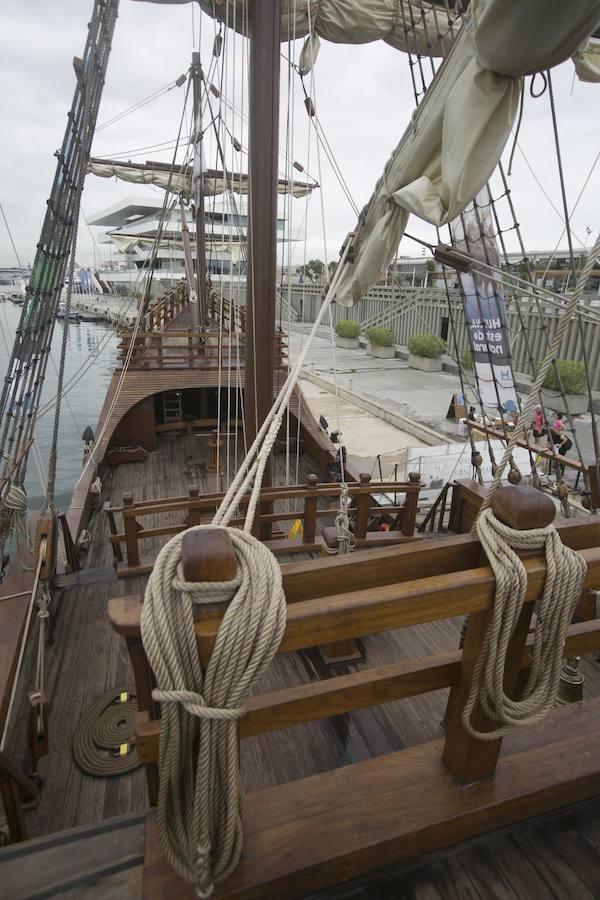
pixel 85 399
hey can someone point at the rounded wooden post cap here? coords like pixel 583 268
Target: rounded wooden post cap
pixel 521 506
pixel 208 555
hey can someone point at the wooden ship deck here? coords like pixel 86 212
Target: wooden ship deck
pixel 360 775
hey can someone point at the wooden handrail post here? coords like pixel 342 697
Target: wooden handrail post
pixel 363 509
pixel 131 528
pixel 193 516
pixel 594 487
pixel 520 507
pixel 411 504
pixel 112 527
pixel 13 810
pixel 310 513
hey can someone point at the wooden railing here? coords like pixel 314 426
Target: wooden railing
pixel 304 500
pixel 366 594
pixel 189 349
pixel 167 308
pixel 226 312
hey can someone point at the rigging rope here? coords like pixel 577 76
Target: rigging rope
pixel 553 347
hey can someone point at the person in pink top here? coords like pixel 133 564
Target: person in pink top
pixel 539 425
pixel 557 433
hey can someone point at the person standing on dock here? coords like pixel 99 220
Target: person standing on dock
pixel 539 425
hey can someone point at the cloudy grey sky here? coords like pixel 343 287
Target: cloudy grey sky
pixel 364 101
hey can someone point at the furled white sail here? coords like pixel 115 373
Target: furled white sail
pixel 587 60
pixel 125 242
pixel 409 25
pixel 457 135
pixel 179 180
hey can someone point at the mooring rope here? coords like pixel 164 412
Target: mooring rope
pixel 565 574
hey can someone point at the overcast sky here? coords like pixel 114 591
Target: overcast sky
pixel 363 96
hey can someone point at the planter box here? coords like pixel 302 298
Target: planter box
pixel 578 403
pixel 380 352
pixel 424 363
pixel 346 343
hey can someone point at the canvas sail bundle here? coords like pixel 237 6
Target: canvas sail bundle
pixel 409 25
pixel 457 135
pixel 178 179
pixel 587 60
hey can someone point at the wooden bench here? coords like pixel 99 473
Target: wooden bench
pixel 320 830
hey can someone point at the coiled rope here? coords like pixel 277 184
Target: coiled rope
pixel 565 573
pixel 104 740
pixel 199 804
pixel 13 517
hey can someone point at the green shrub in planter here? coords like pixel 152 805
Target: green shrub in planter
pixel 572 375
pixel 427 345
pixel 347 328
pixel 466 359
pixel 380 337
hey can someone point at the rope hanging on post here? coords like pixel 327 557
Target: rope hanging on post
pixel 565 574
pixel 345 537
pixel 199 804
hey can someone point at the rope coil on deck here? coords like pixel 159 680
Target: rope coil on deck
pixel 104 740
pixel 565 574
pixel 199 804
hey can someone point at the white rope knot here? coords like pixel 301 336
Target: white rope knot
pixel 196 705
pixel 565 573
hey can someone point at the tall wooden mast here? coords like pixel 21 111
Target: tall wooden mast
pixel 264 30
pixel 198 190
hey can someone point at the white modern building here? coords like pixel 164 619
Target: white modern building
pixel 133 226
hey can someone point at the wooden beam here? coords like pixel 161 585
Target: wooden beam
pixel 370 687
pixel 393 565
pixel 358 613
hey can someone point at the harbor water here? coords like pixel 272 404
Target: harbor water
pixel 90 360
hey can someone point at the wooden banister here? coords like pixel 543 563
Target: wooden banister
pixel 195 507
